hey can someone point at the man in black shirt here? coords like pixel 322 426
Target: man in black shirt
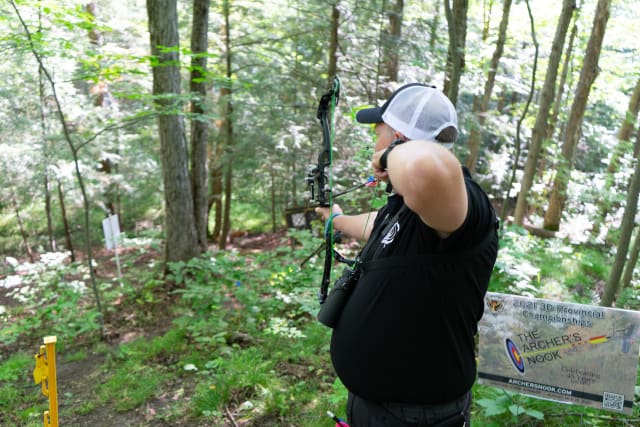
pixel 404 343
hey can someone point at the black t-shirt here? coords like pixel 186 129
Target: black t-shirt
pixel 407 332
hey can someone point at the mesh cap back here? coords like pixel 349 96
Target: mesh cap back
pixel 420 112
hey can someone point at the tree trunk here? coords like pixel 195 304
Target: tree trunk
pixel 486 18
pixel 65 223
pixel 480 108
pixel 456 14
pixel 532 88
pixel 180 230
pixel 227 120
pixel 333 44
pixel 200 123
pixel 45 168
pixel 635 249
pixel 272 187
pixel 434 32
pixel 226 217
pixel 48 213
pixel 630 266
pixel 392 40
pixel 215 199
pixel 626 129
pixel 588 75
pixel 546 99
pixel 23 231
pixel 566 66
pixel 624 136
pixel 628 219
pixel 103 98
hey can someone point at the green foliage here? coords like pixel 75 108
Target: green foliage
pixel 227 314
pixel 515 271
pixel 14 373
pixel 496 408
pixel 553 268
pixel 508 407
pixel 261 307
pixel 160 349
pixel 242 336
pixel 629 298
pixel 15 366
pixel 52 289
pixel 253 218
pixel 132 384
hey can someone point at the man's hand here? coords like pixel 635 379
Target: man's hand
pixel 357 226
pixel 379 173
pixel 326 212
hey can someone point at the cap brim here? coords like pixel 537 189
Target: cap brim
pixel 369 115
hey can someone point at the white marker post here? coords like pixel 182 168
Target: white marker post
pixel 111 228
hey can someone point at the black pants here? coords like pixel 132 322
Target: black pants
pixel 365 413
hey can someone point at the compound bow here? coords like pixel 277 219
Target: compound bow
pixel 320 188
pixel 319 177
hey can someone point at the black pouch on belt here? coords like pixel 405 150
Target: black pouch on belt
pixel 332 307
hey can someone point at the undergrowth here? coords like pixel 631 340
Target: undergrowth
pixel 231 337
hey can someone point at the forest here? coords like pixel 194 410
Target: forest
pixel 194 126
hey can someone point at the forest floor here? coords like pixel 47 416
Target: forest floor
pixel 78 378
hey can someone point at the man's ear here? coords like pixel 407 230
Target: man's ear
pixel 399 135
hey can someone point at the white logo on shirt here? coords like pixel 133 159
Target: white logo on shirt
pixel 391 234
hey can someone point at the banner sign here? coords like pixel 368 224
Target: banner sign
pixel 111 229
pixel 566 352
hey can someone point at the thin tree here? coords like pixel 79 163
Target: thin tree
pixel 546 99
pixel 391 42
pixel 333 43
pixel 46 152
pixel 631 263
pixel 23 230
pixel 226 134
pixel 486 18
pixel 634 252
pixel 74 149
pixel 557 103
pixel 434 29
pixel 456 14
pixel 481 104
pixel 180 230
pixel 624 145
pixel 588 75
pixel 68 242
pixel 626 229
pixel 532 88
pixel 199 123
pixel 102 97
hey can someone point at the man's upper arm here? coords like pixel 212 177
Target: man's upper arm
pixel 431 181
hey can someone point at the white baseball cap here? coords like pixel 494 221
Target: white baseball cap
pixel 417 110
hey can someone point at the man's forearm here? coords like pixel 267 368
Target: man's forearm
pixel 356 226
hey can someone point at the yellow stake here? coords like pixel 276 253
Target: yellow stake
pixel 45 373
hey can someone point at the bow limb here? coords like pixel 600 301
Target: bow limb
pixel 320 177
